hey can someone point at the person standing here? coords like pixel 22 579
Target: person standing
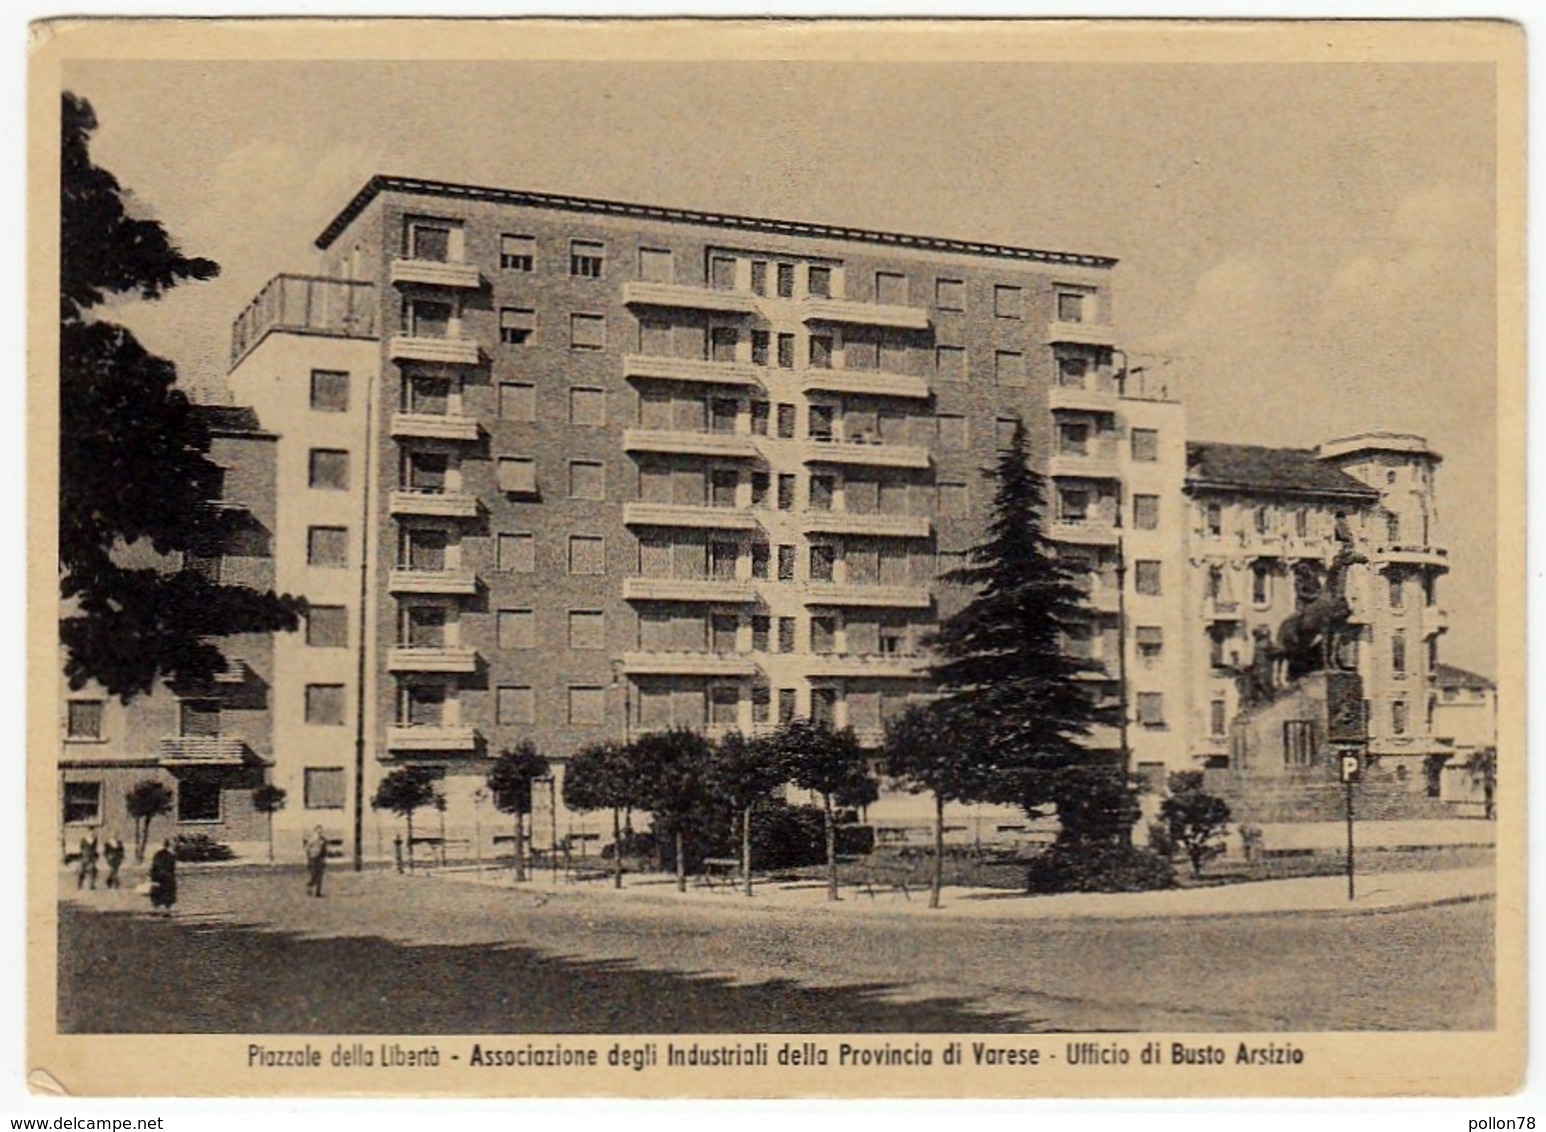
pixel 163 879
pixel 86 867
pixel 112 855
pixel 316 861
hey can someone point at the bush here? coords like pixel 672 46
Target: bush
pixel 201 847
pixel 1160 841
pixel 1195 821
pixel 1098 868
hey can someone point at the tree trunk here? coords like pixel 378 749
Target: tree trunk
pixel 746 848
pixel 826 805
pixel 520 846
pixel 617 849
pixel 141 835
pixel 939 852
pixel 271 838
pixel 409 818
pixel 681 863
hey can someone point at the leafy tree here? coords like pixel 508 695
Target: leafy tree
pixel 829 763
pixel 745 772
pixel 1195 819
pixel 403 792
pixel 134 464
pixel 929 749
pixel 147 799
pixel 509 781
pixel 672 769
pixel 600 777
pixel 1482 769
pixel 268 800
pixel 1002 663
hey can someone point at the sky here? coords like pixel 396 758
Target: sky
pixel 1307 250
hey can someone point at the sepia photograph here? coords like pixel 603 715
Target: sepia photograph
pixel 690 559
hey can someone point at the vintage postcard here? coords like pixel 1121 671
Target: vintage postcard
pixel 702 559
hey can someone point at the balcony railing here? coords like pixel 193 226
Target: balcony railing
pixel 432 737
pixel 879 526
pixel 1082 333
pixel 1085 400
pixel 878 454
pixel 1413 555
pixel 205 749
pixel 1094 465
pixel 434 502
pixel 435 273
pixel 872 383
pixel 434 426
pixel 305 304
pixel 866 314
pixel 849 594
pixel 689 443
pixel 876 665
pixel 432 658
pixel 661 663
pixel 448 350
pixel 691 369
pixel 1084 532
pixel 408 580
pixel 728 590
pixel 675 515
pixel 687 297
pixel 1216 610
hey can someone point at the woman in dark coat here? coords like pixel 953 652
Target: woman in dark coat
pixel 163 879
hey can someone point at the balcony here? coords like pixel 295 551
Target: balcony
pixel 687 664
pixel 440 504
pixel 1083 400
pixel 432 658
pixel 875 666
pixel 877 455
pixel 890 597
pixel 689 443
pixel 305 304
pixel 1435 621
pixel 870 383
pixel 1094 466
pixel 435 273
pixel 687 297
pixel 405 580
pixel 691 369
pixel 1216 610
pixel 865 314
pixel 450 350
pixel 450 738
pixel 674 515
pixel 1082 333
pixel 1433 557
pixel 878 526
pixel 431 426
pixel 1103 599
pixel 731 591
pixel 1086 532
pixel 205 750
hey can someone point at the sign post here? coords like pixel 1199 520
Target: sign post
pixel 1352 766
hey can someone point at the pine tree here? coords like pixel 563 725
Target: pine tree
pixel 134 464
pixel 1002 670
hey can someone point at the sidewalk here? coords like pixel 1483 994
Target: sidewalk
pixel 1376 892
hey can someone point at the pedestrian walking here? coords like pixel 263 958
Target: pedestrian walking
pixel 163 879
pixel 316 861
pixel 112 856
pixel 86 867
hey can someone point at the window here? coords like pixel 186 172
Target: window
pixel 1145 445
pixel 327 627
pixel 427 318
pixel 786 482
pixel 1397 593
pixel 1004 432
pixel 1301 523
pixel 1393 529
pixel 325 704
pixel 786 632
pixel 724 704
pixel 819 422
pixel 786 559
pixel 823 559
pixel 1261 584
pixel 950 363
pixel 722 272
pixel 654 337
pixel 656 265
pixel 198 798
pixel 762 703
pixel 1007 301
pixel 822 489
pixel 723 557
pixel 1073 505
pixel 516 553
pixel 82 803
pixel 1398 654
pixel 818 281
pixel 1146 512
pixel 424 549
pixel 327 546
pixel 761 555
pixel 428 240
pixel 952 500
pixel 762 627
pixel 823 634
pixel 824 706
pixel 515 703
pixel 587 406
pixel 517 401
pixel 1213 520
pixel 786 280
pixel 761 482
pixel 723 343
pixel 1151 709
pixel 1263 520
pixel 891 288
pixel 785 706
pixel 724 628
pixel 517 253
pixel 1299 742
pixel 786 421
pixel 1009 367
pixel 760 276
pixel 83 719
pixel 821 351
pixel 587 554
pixel 322 788
pixel 586 258
pixel 1073 439
pixel 329 391
pixel 587 629
pixel 587 332
pixel 517 628
pixel 760 340
pixel 587 706
pixel 723 485
pixel 428 396
pixel 517 475
pixel 1147 577
pixel 1070 306
pixel 1216 721
pixel 950 294
pixel 951 428
pixel 516 325
pixel 587 479
pixel 1073 371
pixel 1398 717
pixel 423 705
pixel 424 626
pixel 786 351
pixel 1151 641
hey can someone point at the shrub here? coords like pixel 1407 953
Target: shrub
pixel 1160 840
pixel 1098 868
pixel 201 847
pixel 1196 821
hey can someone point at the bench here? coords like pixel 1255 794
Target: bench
pixel 719 872
pixel 893 873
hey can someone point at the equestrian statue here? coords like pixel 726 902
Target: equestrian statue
pixel 1307 639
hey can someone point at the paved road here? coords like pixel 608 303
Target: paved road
pixel 382 953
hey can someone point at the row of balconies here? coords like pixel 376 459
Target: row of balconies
pixel 459 659
pixel 813 450
pixel 877 383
